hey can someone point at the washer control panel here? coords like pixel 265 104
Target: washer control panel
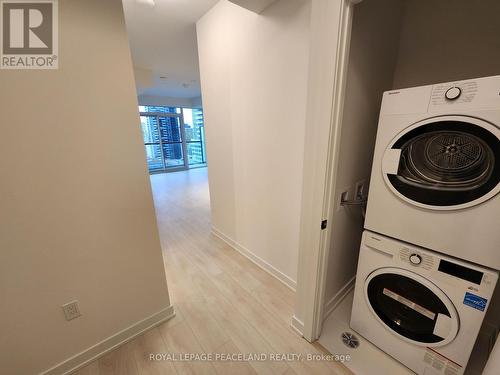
pixel 468 277
pixel 417 259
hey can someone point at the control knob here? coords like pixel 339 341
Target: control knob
pixel 415 259
pixel 453 93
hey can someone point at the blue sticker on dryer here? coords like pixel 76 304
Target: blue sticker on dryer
pixel 475 301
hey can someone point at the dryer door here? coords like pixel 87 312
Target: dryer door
pixel 444 163
pixel 411 307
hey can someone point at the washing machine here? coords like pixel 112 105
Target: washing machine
pixel 423 308
pixel 436 169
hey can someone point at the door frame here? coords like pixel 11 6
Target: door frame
pixel 331 23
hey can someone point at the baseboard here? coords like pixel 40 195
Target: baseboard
pixel 297 325
pixel 83 358
pixel 338 297
pixel 256 259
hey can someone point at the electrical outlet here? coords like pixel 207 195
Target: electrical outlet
pixel 360 189
pixel 344 196
pixel 71 310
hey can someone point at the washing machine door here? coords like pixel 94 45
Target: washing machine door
pixel 444 163
pixel 411 307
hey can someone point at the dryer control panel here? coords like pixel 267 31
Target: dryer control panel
pixel 459 92
pixel 481 93
pixel 467 95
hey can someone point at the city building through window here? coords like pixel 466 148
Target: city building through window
pixel 174 137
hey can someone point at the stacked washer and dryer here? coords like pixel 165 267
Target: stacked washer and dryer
pixel 431 247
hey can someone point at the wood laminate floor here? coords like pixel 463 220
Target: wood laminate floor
pixel 224 303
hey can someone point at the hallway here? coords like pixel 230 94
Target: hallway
pixel 224 302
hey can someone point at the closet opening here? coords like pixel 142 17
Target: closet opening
pixel 392 45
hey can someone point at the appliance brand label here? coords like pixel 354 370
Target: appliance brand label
pixel 475 301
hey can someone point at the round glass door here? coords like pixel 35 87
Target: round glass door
pixel 445 162
pixel 411 307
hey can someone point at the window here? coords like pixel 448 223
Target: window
pixel 174 138
pixel 159 109
pixel 195 136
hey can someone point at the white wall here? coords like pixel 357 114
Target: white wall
pixel 256 6
pixel 143 79
pixel 166 101
pixel 254 78
pixel 446 40
pixel 372 58
pixel 76 214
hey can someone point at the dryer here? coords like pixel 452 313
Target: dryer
pixel 422 308
pixel 436 169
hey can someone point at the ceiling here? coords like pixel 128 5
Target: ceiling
pixel 163 44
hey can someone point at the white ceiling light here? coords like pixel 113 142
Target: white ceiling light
pixel 151 3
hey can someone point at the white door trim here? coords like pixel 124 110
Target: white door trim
pixel 329 55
